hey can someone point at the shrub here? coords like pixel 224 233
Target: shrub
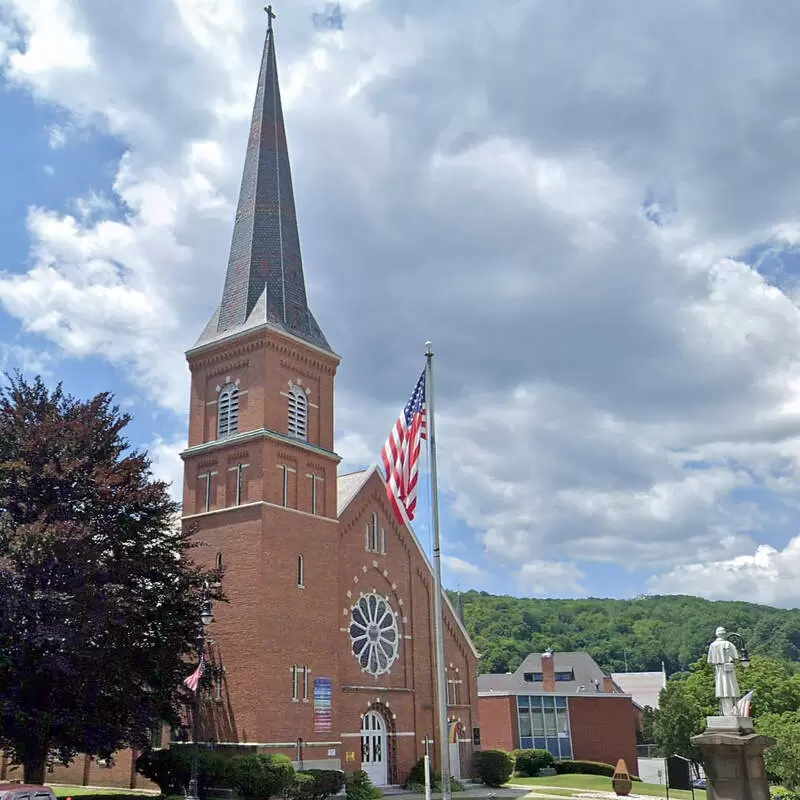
pixel 493 767
pixel 527 763
pixel 171 769
pixel 358 786
pixel 569 767
pixel 262 775
pixel 316 784
pixel 302 787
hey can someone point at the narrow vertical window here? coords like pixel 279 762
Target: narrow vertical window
pixel 306 673
pixel 301 576
pixel 295 681
pixel 239 483
pixel 298 413
pixel 218 684
pixel 219 560
pixel 383 541
pixel 285 495
pixel 366 536
pixel 208 477
pixel 228 411
pixel 317 500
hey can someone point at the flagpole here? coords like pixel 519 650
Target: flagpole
pixel 441 676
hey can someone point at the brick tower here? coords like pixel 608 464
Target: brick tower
pixel 260 470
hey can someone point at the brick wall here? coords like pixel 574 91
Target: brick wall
pixel 499 730
pixel 604 729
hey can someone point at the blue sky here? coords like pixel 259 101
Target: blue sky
pixel 600 240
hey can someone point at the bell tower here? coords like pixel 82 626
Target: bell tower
pixel 260 469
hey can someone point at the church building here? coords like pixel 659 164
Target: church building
pixel 325 648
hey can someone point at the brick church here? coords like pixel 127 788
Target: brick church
pixel 325 650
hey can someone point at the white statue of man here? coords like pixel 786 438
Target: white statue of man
pixel 723 655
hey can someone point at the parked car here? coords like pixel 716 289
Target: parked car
pixel 25 791
pixel 698 783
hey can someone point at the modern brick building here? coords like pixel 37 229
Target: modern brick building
pixel 561 702
pixel 325 649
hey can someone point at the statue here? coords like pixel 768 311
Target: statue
pixel 723 655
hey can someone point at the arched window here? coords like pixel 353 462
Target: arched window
pixel 298 413
pixel 219 560
pixel 301 572
pixel 228 419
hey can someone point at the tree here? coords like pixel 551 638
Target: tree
pixel 777 688
pixel 783 760
pixel 99 599
pixel 679 717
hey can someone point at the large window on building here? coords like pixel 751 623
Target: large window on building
pixel 544 724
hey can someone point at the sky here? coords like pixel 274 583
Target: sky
pixel 592 210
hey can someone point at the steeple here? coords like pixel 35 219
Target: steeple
pixel 264 282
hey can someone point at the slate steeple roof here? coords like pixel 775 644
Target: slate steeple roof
pixel 264 283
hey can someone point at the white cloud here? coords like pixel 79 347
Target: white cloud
pixel 550 577
pixel 767 575
pixel 605 386
pixel 462 568
pixel 167 464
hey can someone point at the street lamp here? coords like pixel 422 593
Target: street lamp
pixel 744 658
pixel 206 618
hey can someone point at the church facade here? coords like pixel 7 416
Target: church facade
pixel 325 648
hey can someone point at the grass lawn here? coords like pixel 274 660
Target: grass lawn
pixel 582 783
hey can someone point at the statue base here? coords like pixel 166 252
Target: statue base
pixel 728 724
pixel 733 759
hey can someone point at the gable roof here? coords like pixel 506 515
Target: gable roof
pixel 644 687
pixel 584 668
pixel 349 486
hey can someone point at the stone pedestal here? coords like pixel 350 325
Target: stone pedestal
pixel 733 759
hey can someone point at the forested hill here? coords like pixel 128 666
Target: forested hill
pixel 672 629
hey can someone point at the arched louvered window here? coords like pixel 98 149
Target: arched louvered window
pixel 298 413
pixel 228 420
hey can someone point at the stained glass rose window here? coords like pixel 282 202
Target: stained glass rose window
pixel 374 634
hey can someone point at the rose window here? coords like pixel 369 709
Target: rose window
pixel 373 631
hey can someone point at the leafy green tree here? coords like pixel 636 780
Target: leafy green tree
pixel 99 599
pixel 679 717
pixel 783 760
pixel 648 732
pixel 777 687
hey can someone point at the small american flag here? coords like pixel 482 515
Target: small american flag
pixel 742 707
pixel 400 454
pixel 193 681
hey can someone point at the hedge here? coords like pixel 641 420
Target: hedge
pixel 171 769
pixel 316 784
pixel 493 767
pixel 572 767
pixel 262 775
pixel 527 763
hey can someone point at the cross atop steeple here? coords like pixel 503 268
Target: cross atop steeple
pixel 264 283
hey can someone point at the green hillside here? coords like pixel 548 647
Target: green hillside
pixel 673 629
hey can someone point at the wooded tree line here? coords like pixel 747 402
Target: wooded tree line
pixel 643 632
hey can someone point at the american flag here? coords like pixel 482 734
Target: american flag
pixel 193 681
pixel 400 454
pixel 742 707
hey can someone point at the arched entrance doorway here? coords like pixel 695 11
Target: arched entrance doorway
pixel 455 734
pixel 374 752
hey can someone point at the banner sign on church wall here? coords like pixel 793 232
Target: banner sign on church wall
pixel 323 695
